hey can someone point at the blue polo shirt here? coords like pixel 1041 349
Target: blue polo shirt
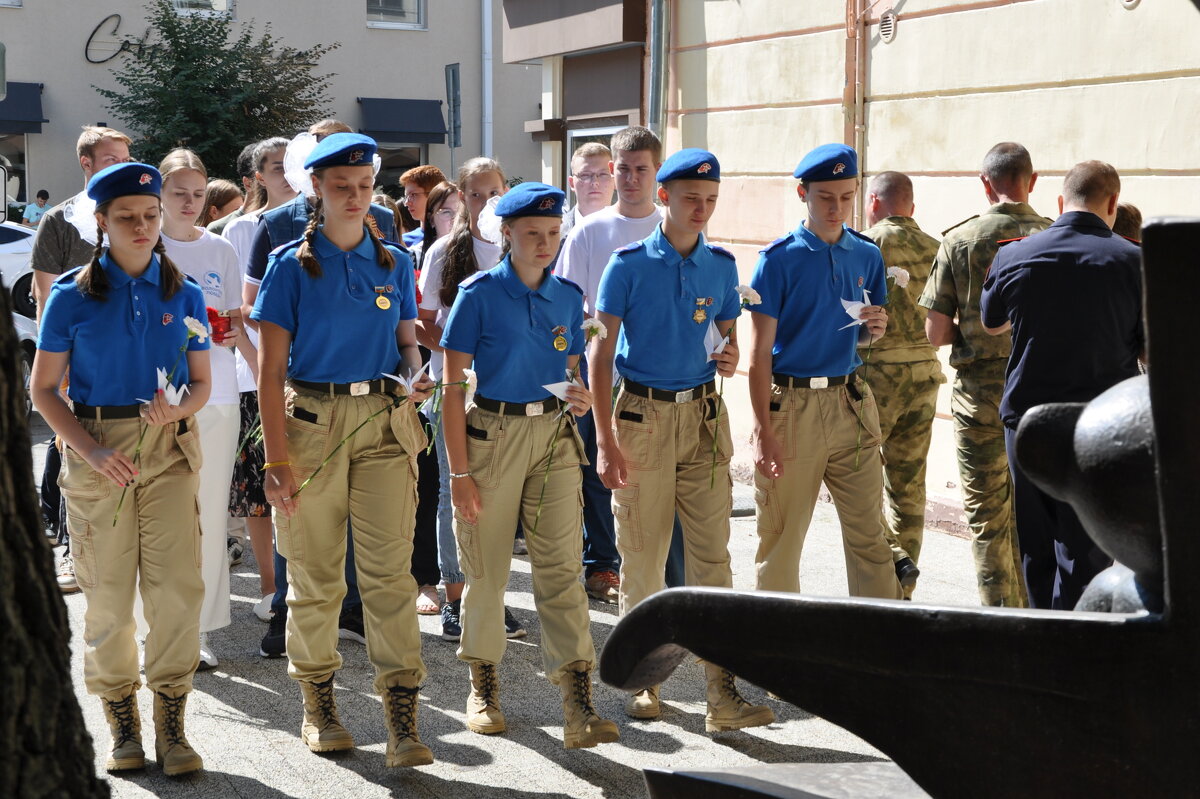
pixel 510 330
pixel 802 281
pixel 117 344
pixel 1074 296
pixel 339 332
pixel 665 302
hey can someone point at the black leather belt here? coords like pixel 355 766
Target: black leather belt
pixel 359 389
pixel 99 412
pixel 518 408
pixel 687 395
pixel 787 381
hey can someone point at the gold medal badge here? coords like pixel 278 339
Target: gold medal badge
pixel 700 316
pixel 560 340
pixel 382 302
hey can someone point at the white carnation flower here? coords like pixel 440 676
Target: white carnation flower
pixel 899 275
pixel 594 327
pixel 472 380
pixel 196 328
pixel 749 296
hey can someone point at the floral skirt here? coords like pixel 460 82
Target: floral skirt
pixel 246 496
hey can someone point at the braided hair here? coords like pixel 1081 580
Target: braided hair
pixel 93 282
pixel 306 253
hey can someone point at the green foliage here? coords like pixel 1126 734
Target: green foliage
pixel 214 89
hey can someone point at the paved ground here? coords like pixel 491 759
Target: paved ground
pixel 243 717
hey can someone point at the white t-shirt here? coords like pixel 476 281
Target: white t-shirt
pixel 487 255
pixel 240 233
pixel 212 262
pixel 591 244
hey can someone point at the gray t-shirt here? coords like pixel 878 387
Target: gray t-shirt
pixel 57 245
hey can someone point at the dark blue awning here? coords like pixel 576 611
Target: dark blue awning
pixel 402 121
pixel 21 110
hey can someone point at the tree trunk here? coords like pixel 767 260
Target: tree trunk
pixel 45 750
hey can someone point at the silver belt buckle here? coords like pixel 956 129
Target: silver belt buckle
pixel 360 388
pixel 818 382
pixel 534 409
pixel 684 396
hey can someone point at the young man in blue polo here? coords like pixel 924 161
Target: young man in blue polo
pixel 822 288
pixel 658 298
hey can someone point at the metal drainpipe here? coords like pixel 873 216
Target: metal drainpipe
pixel 486 78
pixel 656 102
pixel 854 96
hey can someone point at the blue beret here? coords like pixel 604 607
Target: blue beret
pixel 828 162
pixel 121 180
pixel 690 164
pixel 531 199
pixel 342 149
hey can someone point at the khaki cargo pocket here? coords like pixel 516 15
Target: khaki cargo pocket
pixel 865 414
pixel 83 550
pixel 289 533
pixel 187 438
pixel 406 427
pixel 78 480
pixel 469 556
pixel 634 429
pixel 483 447
pixel 716 422
pixel 570 445
pixel 628 519
pixel 767 512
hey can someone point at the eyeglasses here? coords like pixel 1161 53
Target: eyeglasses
pixel 413 196
pixel 445 213
pixel 593 177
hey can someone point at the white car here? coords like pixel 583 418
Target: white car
pixel 27 342
pixel 16 250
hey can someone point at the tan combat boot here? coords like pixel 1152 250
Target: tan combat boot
pixel 727 710
pixel 582 726
pixel 125 724
pixel 171 748
pixel 483 705
pixel 322 730
pixel 404 748
pixel 643 704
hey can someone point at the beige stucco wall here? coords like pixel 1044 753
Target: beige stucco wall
pixel 46 39
pixel 759 82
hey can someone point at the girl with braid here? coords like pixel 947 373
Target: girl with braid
pixel 336 314
pixel 130 465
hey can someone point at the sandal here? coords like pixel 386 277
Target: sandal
pixel 428 601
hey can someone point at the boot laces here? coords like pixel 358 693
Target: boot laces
pixel 122 711
pixel 402 711
pixel 729 688
pixel 172 707
pixel 581 690
pixel 488 684
pixel 326 707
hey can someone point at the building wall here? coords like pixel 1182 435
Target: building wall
pixel 760 82
pixel 46 41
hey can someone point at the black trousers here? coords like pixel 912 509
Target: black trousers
pixel 53 507
pixel 1058 556
pixel 425 554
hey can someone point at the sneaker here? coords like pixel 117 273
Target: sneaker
pixel 604 585
pixel 236 549
pixel 519 546
pixel 274 643
pixel 350 625
pixel 66 575
pixel 262 608
pixel 207 659
pixel 451 624
pixel 512 627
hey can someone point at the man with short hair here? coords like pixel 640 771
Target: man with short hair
pixel 417 183
pixel 591 182
pixel 902 369
pixel 58 246
pixel 637 155
pixel 953 291
pixel 664 447
pixel 1061 356
pixel 34 211
pixel 821 290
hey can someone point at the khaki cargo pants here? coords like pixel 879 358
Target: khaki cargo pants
pixel 372 481
pixel 508 457
pixel 156 541
pixel 823 439
pixel 668 451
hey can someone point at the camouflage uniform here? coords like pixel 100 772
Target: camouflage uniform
pixel 980 360
pixel 904 373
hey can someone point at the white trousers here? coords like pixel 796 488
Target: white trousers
pixel 219 426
